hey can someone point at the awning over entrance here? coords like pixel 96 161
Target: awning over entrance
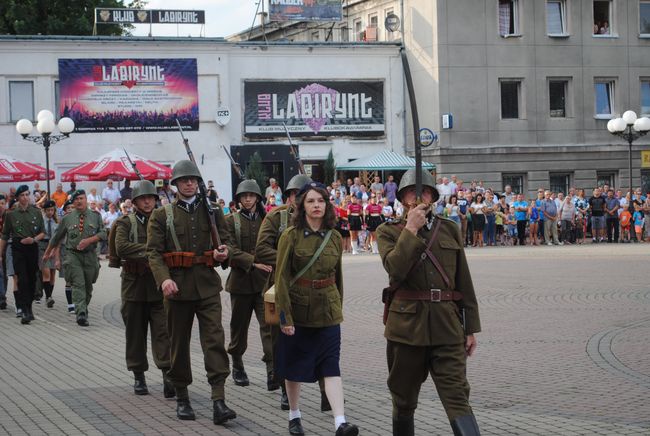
pixel 386 160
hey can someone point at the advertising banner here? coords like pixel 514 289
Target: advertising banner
pixel 313 108
pixel 121 95
pixel 146 16
pixel 305 10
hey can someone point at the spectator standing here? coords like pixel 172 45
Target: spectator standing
pixel 478 219
pixel 126 193
pixel 445 189
pixel 549 209
pixel 94 198
pixel 597 206
pixel 509 195
pixel 212 193
pixel 58 196
pixel 542 218
pixel 625 219
pixel 502 219
pixel 490 219
pixel 387 210
pixel 611 216
pixel 462 213
pixel 567 217
pixel 452 210
pixel 110 194
pixel 73 189
pixel 274 190
pixel 533 218
pixel 3 269
pixel 377 187
pixel 356 186
pixel 637 217
pixel 166 192
pixel 454 184
pixel 521 212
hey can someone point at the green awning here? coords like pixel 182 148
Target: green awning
pixel 385 160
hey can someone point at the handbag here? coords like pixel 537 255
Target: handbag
pixel 271 313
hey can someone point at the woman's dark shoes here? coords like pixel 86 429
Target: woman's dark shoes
pixel 222 413
pixel 140 385
pixel 295 427
pixel 240 377
pixel 184 410
pixel 324 402
pixel 347 429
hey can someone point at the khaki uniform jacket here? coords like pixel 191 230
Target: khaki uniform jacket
pixel 69 226
pixel 304 306
pixel 244 278
pixel 21 224
pixel 135 286
pixel 423 323
pixel 193 232
pixel 266 250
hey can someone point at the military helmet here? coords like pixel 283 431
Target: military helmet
pixel 142 188
pixel 184 168
pixel 408 179
pixel 297 182
pixel 248 186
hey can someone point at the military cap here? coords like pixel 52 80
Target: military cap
pixel 21 189
pixel 309 186
pixel 67 203
pixel 48 204
pixel 77 193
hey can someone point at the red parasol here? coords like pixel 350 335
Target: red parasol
pixel 115 165
pixel 14 170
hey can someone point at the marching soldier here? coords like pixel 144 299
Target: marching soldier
pixel 266 252
pixel 84 228
pixel 24 226
pixel 246 281
pixel 182 259
pixel 142 302
pixel 431 312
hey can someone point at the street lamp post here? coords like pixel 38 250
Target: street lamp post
pixel 45 126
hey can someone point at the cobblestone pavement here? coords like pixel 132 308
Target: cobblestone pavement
pixel 564 351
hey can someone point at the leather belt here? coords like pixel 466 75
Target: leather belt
pixel 209 260
pixel 316 284
pixel 432 295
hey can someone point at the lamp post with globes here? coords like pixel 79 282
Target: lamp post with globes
pixel 630 128
pixel 45 126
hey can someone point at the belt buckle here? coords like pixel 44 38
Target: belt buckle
pixel 436 295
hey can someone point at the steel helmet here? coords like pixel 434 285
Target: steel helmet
pixel 248 186
pixel 408 179
pixel 184 168
pixel 297 182
pixel 142 188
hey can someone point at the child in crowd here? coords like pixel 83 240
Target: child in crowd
pixel 638 225
pixel 625 218
pixel 581 227
pixel 511 222
pixel 533 222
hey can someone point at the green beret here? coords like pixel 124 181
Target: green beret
pixel 77 193
pixel 67 203
pixel 48 204
pixel 21 189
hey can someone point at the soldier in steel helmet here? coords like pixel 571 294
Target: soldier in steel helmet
pixel 431 312
pixel 246 281
pixel 182 259
pixel 266 252
pixel 142 303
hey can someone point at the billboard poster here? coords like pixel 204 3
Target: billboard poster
pixel 125 95
pixel 305 10
pixel 313 108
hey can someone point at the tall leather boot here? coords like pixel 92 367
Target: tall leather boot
pixel 168 387
pixel 403 426
pixel 465 425
pixel 24 315
pixel 238 372
pixel 140 385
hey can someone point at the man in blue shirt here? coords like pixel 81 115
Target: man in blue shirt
pixel 549 211
pixel 521 209
pixel 390 191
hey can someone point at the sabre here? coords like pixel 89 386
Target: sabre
pixel 416 124
pixel 235 165
pixel 135 168
pixel 294 151
pixel 203 192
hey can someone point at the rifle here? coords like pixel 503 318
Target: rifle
pixel 235 165
pixel 203 193
pixel 294 151
pixel 135 168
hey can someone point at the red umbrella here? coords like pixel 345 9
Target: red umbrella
pixel 14 170
pixel 115 165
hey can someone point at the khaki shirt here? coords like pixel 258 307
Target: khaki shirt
pixel 192 228
pixel 135 286
pixel 20 223
pixel 266 249
pixel 424 323
pixel 69 226
pixel 304 306
pixel 244 278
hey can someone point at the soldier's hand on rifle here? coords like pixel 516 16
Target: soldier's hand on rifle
pixel 221 253
pixel 265 268
pixel 470 344
pixel 169 288
pixel 417 217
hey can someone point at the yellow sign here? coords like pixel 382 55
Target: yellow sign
pixel 645 159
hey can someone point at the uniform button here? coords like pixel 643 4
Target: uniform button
pixel 401 308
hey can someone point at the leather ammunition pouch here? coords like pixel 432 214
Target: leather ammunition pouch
pixel 185 259
pixel 114 262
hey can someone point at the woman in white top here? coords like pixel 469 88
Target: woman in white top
pixel 93 197
pixel 451 209
pixel 478 219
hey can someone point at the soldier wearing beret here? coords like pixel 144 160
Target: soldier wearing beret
pixel 246 282
pixel 83 229
pixel 142 302
pixel 182 259
pixel 24 225
pixel 431 312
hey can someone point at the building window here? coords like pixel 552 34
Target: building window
pixel 604 91
pixel 21 100
pixel 508 17
pixel 557 98
pixel 560 182
pixel 645 97
pixel 645 181
pixel 516 182
pixel 510 98
pixel 644 18
pixel 603 17
pixel 556 17
pixel 606 178
pixel 359 34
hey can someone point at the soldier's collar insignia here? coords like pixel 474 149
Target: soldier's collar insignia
pixel 140 217
pixel 320 233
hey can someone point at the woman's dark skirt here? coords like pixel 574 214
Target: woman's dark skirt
pixel 355 223
pixel 478 221
pixel 373 222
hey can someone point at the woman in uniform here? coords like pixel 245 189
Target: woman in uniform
pixel 309 295
pixel 355 212
pixel 373 220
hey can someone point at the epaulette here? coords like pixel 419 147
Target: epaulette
pixel 94 211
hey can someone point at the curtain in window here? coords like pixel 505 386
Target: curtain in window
pixel 554 18
pixel 603 98
pixel 505 10
pixel 645 98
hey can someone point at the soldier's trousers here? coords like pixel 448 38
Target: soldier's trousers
pixel 25 259
pixel 242 308
pixel 81 271
pixel 138 317
pixel 408 368
pixel 180 317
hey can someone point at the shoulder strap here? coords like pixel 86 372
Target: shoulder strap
pixel 237 222
pixel 133 234
pixel 313 258
pixel 432 258
pixel 169 211
pixel 284 219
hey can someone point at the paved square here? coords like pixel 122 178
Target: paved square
pixel 564 350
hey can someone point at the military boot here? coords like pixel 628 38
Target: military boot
pixel 24 315
pixel 82 319
pixel 465 425
pixel 271 383
pixel 221 412
pixel 140 385
pixel 168 387
pixel 184 410
pixel 30 313
pixel 238 372
pixel 403 426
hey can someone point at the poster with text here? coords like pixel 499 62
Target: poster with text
pixel 129 95
pixel 305 10
pixel 313 108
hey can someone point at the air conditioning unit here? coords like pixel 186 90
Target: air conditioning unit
pixel 371 33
